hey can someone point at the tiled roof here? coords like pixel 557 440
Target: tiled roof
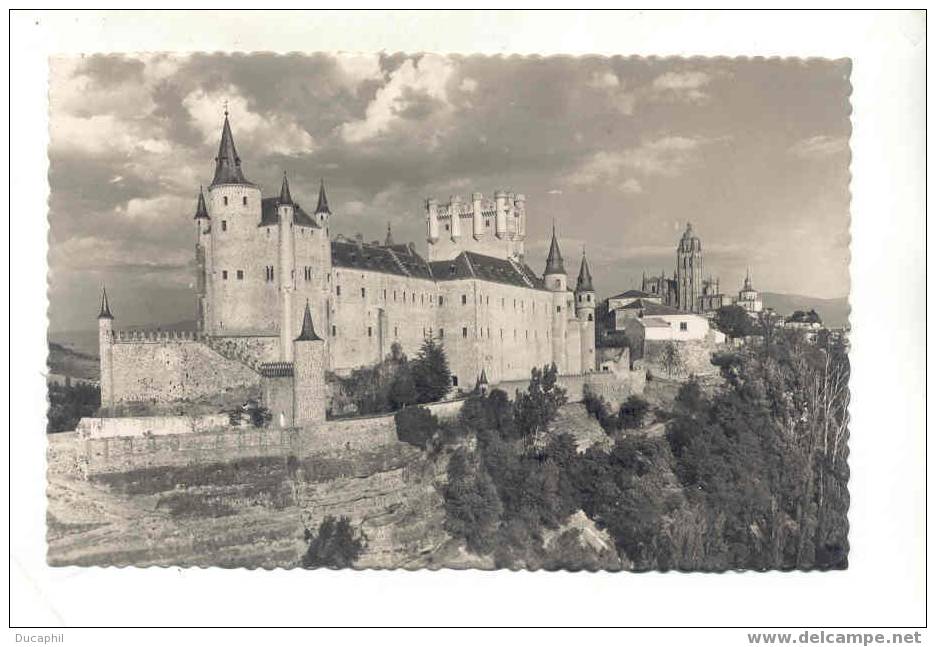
pixel 399 259
pixel 653 322
pixel 486 268
pixel 635 294
pixel 554 258
pixel 651 309
pixel 227 163
pixel 269 217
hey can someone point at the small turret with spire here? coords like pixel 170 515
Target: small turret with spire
pixel 105 351
pixel 584 282
pixel 322 212
pixel 554 263
pixel 201 211
pixel 308 329
pixel 105 306
pixel 285 197
pixel 388 242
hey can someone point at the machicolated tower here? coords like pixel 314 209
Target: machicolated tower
pixel 689 270
pixel 491 227
pixel 585 312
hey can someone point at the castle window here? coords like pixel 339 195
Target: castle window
pixel 334 331
pixel 501 333
pixel 454 380
pixel 404 296
pixel 464 299
pixel 683 326
pixel 440 300
pixel 502 302
pixel 240 275
pixel 394 295
pixel 487 223
pixel 465 333
pixel 225 201
pixel 558 283
pixel 487 300
pixel 385 294
pixel 591 317
pixel 363 293
pixel 588 297
pixel 515 333
pixel 370 331
pixel 224 274
pixel 558 308
pixel 224 223
pixel 446 227
pixel 338 290
pixel 441 333
pixel 395 332
pixel 245 200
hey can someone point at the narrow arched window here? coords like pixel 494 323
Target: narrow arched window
pixel 225 201
pixel 245 200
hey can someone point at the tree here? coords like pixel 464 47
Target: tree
pixel 670 359
pixel 632 412
pixel 536 408
pixel 416 426
pixel 472 506
pixel 431 374
pixel 734 321
pixel 335 545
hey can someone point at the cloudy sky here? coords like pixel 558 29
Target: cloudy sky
pixel 619 152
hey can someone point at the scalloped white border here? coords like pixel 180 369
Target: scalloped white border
pixel 883 586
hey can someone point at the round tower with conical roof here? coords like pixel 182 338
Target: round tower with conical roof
pixel 286 211
pixel 236 276
pixel 202 261
pixel 309 364
pixel 106 351
pixel 585 312
pixel 555 280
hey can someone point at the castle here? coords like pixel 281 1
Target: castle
pixel 269 274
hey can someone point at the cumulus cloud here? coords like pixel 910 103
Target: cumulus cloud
pixel 408 87
pixel 666 156
pixel 819 146
pixel 682 86
pixel 604 80
pixel 262 133
pixel 357 68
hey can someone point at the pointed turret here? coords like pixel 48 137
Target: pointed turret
pixel 584 282
pixel 747 280
pixel 308 330
pixel 481 386
pixel 201 211
pixel 285 197
pixel 227 163
pixel 389 240
pixel 554 259
pixel 105 306
pixel 322 200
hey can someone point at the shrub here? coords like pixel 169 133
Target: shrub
pixel 416 426
pixel 70 403
pixel 335 545
pixel 632 412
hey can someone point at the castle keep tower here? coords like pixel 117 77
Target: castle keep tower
pixel 308 374
pixel 689 270
pixel 554 277
pixel 585 312
pixel 106 351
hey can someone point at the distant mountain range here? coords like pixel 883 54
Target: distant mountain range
pixel 834 312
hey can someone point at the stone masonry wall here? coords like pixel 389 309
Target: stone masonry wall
pixel 154 370
pixel 143 426
pixel 695 356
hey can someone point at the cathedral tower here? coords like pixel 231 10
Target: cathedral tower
pixel 585 312
pixel 689 270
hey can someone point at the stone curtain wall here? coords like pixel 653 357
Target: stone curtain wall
pixel 150 426
pixel 613 387
pixel 251 350
pixel 157 370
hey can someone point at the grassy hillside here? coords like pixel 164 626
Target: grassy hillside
pixel 834 312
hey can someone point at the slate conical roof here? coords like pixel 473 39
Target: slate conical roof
pixel 322 200
pixel 584 283
pixel 389 241
pixel 308 330
pixel 554 259
pixel 227 163
pixel 105 306
pixel 201 211
pixel 285 197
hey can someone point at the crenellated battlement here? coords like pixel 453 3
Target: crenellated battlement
pixel 154 336
pixel 491 226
